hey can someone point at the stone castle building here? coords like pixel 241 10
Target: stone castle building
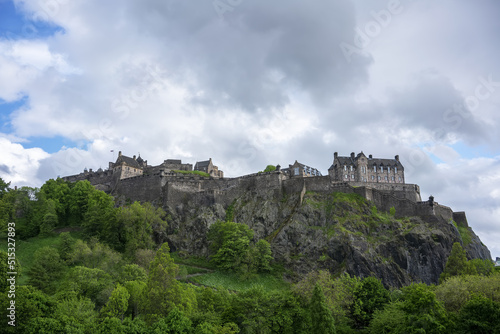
pixel 360 168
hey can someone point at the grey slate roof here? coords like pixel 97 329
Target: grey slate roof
pixel 201 164
pixel 128 161
pixel 348 161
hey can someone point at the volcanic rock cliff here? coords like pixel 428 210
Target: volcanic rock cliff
pixel 340 232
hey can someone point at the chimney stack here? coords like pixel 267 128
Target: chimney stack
pixel 396 157
pixel 370 156
pixel 119 153
pixel 133 157
pixel 335 155
pixel 352 155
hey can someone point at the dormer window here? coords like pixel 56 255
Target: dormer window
pixel 374 169
pixel 381 169
pixel 345 168
pixel 351 168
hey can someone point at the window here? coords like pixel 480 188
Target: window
pixel 351 168
pixel 392 178
pixel 381 169
pixel 363 170
pixel 346 176
pixel 352 176
pixel 345 168
pixel 374 168
pixel 379 178
pixel 373 177
pixel 400 179
pixel 388 169
pixel 396 170
pixel 296 171
pixel 386 178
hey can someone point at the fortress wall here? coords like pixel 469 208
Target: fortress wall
pixel 408 191
pixel 140 188
pixel 460 219
pixel 318 184
pixel 385 201
pixel 444 212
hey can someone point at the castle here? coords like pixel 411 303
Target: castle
pixel 172 183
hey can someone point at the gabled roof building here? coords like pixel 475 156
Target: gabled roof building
pixel 360 168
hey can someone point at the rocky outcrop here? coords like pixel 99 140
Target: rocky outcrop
pixel 335 231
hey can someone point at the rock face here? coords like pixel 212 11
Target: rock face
pixel 335 231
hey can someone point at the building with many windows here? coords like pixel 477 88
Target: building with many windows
pixel 360 168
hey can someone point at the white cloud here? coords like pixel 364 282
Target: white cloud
pixel 19 165
pixel 267 83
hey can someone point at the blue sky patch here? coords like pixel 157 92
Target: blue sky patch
pixel 15 25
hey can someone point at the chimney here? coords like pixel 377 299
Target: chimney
pixel 119 153
pixel 370 156
pixel 335 155
pixel 352 155
pixel 396 157
pixel 133 157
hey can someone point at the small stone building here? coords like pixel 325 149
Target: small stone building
pixel 208 167
pixel 126 167
pixel 301 170
pixel 360 168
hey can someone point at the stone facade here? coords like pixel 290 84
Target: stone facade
pixel 131 179
pixel 360 168
pixel 209 168
pixel 301 170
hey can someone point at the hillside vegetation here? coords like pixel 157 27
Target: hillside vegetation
pixel 87 266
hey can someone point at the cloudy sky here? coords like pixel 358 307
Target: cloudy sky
pixel 253 82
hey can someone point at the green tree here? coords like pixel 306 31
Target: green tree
pixel 117 304
pixel 47 268
pixel 66 246
pixel 423 310
pixel 270 168
pixel 369 296
pixel 480 315
pixel 262 256
pixel 50 220
pixel 99 220
pixel 138 222
pixel 58 191
pixel 4 187
pixel 76 314
pixel 457 264
pixel 136 291
pixel 91 283
pixel 483 267
pixel 78 199
pixel 229 244
pixel 321 316
pixel 163 292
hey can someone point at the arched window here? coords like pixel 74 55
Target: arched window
pixel 374 168
pixel 388 169
pixel 345 168
pixel 381 169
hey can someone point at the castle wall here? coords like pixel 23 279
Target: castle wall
pixel 144 188
pixel 460 219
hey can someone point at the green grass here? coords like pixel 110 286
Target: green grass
pixel 192 261
pixel 192 270
pixel 465 233
pixel 25 250
pixel 193 172
pixel 232 281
